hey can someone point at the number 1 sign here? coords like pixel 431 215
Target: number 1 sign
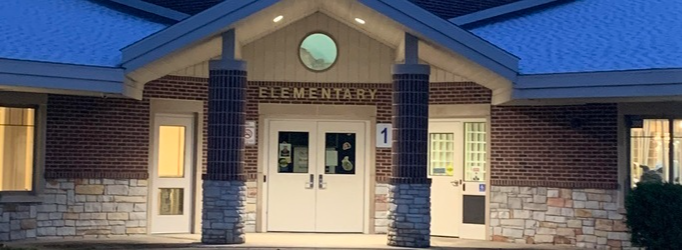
pixel 384 135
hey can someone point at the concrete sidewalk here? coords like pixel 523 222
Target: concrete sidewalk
pixel 263 241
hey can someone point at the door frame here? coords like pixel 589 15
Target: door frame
pixel 263 167
pixel 178 108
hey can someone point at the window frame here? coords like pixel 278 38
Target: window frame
pixel 629 119
pixel 38 102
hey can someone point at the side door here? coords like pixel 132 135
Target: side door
pixel 172 174
pixel 445 170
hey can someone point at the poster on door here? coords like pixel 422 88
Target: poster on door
pixel 284 155
pixel 300 160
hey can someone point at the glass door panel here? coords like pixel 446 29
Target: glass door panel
pixel 340 153
pixel 441 154
pixel 475 151
pixel 293 152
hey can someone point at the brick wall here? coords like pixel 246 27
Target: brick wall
pixel 554 146
pixel 93 137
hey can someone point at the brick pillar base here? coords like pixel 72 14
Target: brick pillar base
pixel 409 215
pixel 223 212
pixel 224 182
pixel 409 205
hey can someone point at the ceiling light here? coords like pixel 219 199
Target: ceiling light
pixel 278 18
pixel 361 21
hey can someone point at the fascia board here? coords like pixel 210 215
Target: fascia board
pixel 153 9
pixel 497 11
pixel 603 78
pixel 658 90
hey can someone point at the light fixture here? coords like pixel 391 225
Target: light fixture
pixel 278 18
pixel 361 21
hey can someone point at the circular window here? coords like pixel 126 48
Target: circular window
pixel 318 52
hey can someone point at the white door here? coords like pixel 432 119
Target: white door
pixel 316 176
pixel 341 166
pixel 291 176
pixel 172 171
pixel 457 161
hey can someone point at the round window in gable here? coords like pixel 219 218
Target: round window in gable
pixel 318 52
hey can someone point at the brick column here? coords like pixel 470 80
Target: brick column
pixel 224 186
pixel 409 189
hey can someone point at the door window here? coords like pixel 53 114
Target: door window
pixel 171 201
pixel 293 152
pixel 171 156
pixel 475 151
pixel 441 150
pixel 340 153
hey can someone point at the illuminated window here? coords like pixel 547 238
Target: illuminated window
pixel 318 52
pixel 171 151
pixel 17 126
pixel 655 151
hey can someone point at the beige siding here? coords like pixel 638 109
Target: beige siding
pixel 362 59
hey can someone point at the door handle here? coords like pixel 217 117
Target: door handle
pixel 309 184
pixel 321 183
pixel 457 183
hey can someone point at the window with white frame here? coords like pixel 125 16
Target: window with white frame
pixel 17 140
pixel 655 150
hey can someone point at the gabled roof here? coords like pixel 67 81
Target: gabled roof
pixel 445 9
pixel 67 31
pixel 220 17
pixel 588 36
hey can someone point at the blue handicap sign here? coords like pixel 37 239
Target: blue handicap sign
pixel 482 187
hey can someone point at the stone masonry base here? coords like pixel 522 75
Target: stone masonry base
pixel 586 218
pixel 409 215
pixel 223 212
pixel 78 208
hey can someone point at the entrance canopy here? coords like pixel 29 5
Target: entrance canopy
pixel 443 44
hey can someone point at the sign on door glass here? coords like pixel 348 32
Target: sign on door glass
pixel 441 154
pixel 340 153
pixel 292 152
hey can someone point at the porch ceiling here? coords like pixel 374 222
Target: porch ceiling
pixel 377 26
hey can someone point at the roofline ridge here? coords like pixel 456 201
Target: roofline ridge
pixel 498 11
pixel 153 9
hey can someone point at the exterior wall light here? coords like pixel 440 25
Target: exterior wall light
pixel 278 18
pixel 361 21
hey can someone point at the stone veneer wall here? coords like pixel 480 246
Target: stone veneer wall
pixel 586 218
pixel 92 208
pixel 17 221
pixel 250 207
pixel 381 208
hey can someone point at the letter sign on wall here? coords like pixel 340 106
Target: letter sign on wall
pixel 384 135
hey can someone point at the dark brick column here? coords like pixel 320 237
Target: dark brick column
pixel 224 182
pixel 409 191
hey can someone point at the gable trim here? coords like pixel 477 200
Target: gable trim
pixel 206 24
pixel 47 77
pixel 448 35
pixel 153 9
pixel 498 11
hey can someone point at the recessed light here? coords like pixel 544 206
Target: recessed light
pixel 278 18
pixel 361 21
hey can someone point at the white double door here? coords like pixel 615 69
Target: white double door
pixel 172 173
pixel 457 167
pixel 315 176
